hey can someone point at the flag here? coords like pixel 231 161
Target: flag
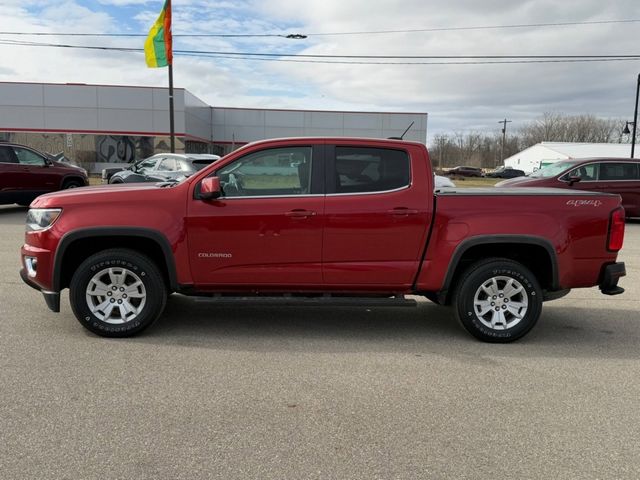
pixel 158 51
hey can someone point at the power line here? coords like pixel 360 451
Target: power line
pixel 358 59
pixel 480 27
pixel 318 34
pixel 326 56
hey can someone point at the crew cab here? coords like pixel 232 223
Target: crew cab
pixel 321 220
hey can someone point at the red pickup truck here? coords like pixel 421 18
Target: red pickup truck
pixel 321 220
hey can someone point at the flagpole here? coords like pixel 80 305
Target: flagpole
pixel 170 62
pixel 171 123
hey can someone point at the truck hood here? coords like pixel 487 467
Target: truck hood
pixel 100 193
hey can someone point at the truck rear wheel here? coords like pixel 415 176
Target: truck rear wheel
pixel 498 300
pixel 117 293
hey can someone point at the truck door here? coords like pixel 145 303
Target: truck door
pixel 266 229
pixel 376 217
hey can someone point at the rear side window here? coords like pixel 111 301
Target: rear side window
pixel 360 170
pixel 618 171
pixel 7 155
pixel 167 165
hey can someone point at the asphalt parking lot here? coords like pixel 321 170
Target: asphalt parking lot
pixel 284 392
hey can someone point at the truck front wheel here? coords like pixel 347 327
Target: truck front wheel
pixel 117 293
pixel 498 300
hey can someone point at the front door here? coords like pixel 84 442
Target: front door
pixel 266 229
pixel 37 174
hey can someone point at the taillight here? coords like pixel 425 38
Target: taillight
pixel 616 230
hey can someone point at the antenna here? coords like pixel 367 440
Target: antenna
pixel 401 137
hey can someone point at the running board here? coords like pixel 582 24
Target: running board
pixel 293 301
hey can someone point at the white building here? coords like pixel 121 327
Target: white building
pixel 541 154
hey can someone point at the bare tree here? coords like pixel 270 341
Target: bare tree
pixel 483 150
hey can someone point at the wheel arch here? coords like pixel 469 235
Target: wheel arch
pixel 535 253
pixel 76 246
pixel 72 177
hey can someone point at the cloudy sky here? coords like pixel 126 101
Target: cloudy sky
pixel 458 98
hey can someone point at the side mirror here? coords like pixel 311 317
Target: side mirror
pixel 210 188
pixel 574 179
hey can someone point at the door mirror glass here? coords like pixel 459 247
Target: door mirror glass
pixel 210 188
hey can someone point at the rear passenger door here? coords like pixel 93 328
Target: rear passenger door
pixel 166 169
pixel 375 218
pixel 622 178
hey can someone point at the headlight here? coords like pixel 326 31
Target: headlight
pixel 41 218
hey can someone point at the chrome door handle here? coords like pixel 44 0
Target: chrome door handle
pixel 299 213
pixel 402 211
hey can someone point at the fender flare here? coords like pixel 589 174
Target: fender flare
pixel 465 245
pixel 139 232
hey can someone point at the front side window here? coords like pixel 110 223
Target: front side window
pixel 146 165
pixel 360 169
pixel 273 172
pixel 586 173
pixel 27 157
pixel 619 171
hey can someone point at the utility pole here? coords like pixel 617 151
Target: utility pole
pixel 504 136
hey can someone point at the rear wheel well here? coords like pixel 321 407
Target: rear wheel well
pixel 535 257
pixel 79 250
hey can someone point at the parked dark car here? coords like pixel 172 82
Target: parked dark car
pixel 505 172
pixel 609 175
pixel 26 173
pixel 465 172
pixel 161 167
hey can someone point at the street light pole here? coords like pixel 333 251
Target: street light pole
pixel 635 120
pixel 504 136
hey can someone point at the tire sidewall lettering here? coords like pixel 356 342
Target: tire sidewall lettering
pixel 466 309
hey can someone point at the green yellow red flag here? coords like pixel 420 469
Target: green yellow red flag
pixel 158 51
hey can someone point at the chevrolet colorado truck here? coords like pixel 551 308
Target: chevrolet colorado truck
pixel 317 221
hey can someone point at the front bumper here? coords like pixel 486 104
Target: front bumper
pixel 52 299
pixel 609 278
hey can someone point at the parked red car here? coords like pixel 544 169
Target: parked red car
pixel 611 175
pixel 26 173
pixel 321 220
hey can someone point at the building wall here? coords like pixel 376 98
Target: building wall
pixel 197 115
pixel 233 126
pixel 98 126
pixel 88 109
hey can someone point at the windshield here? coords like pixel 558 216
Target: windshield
pixel 552 170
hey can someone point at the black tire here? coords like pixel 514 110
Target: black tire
pixel 71 184
pixel 116 181
pixel 500 324
pixel 128 266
